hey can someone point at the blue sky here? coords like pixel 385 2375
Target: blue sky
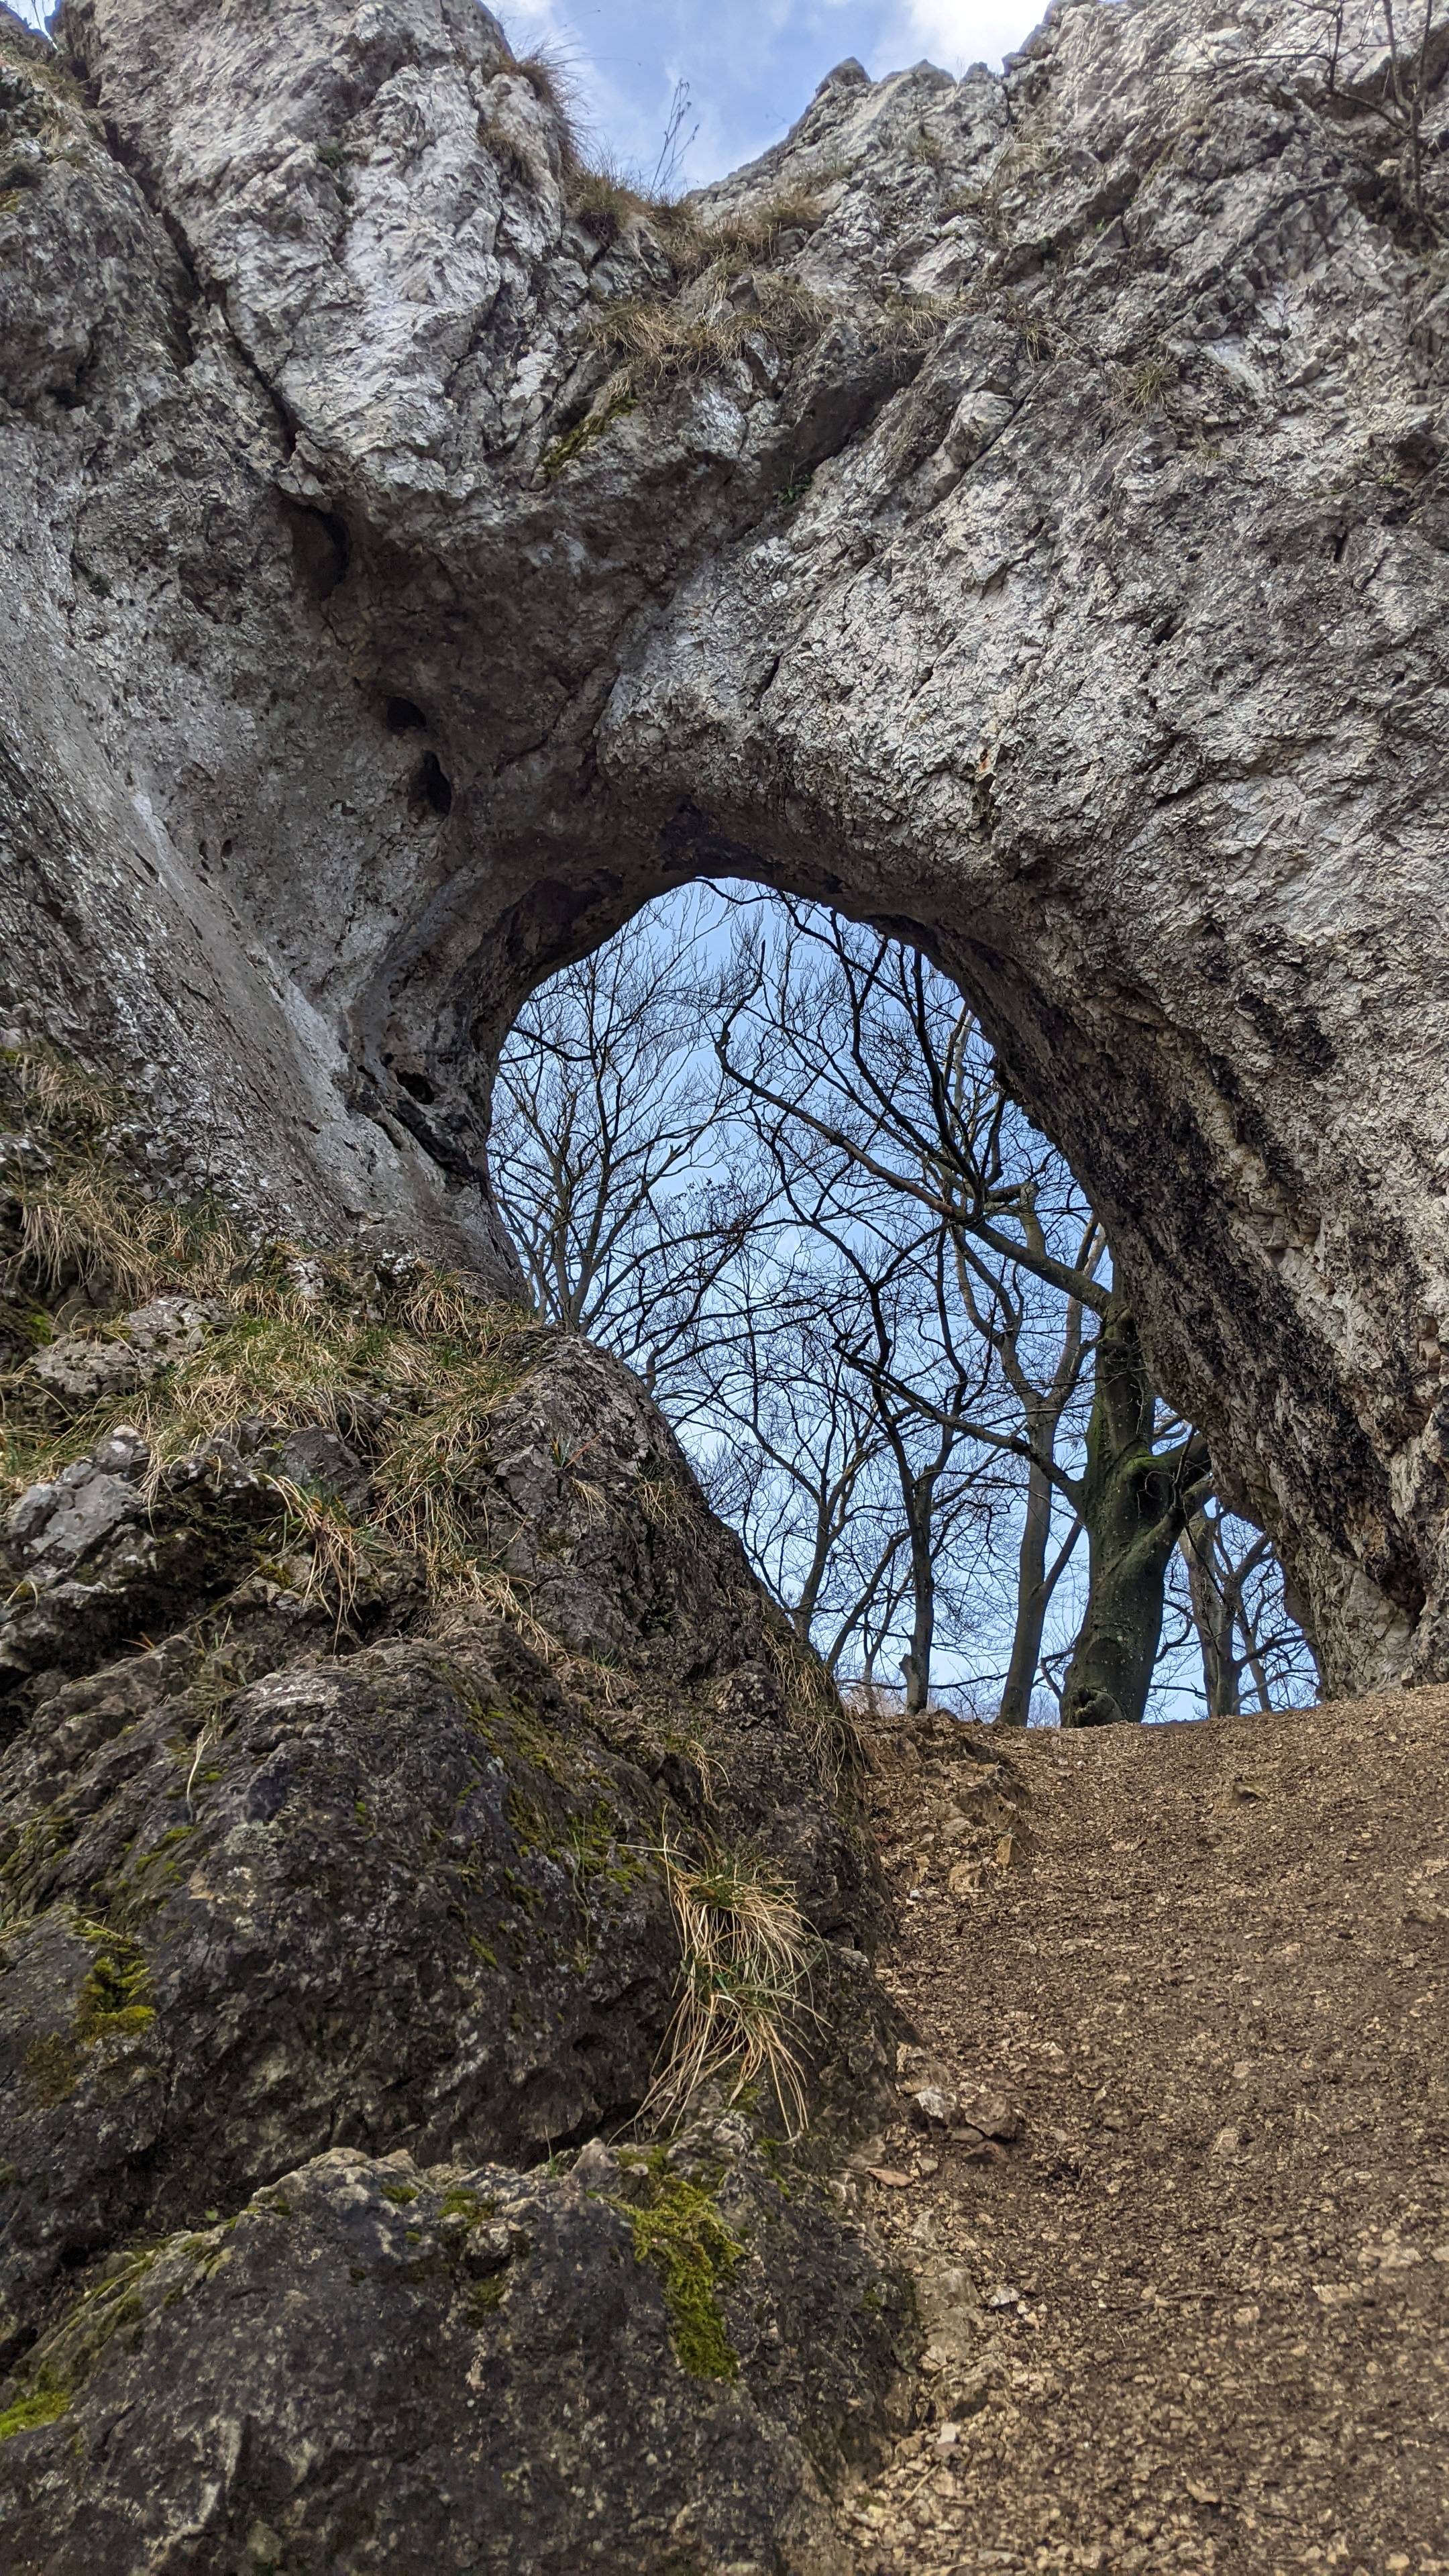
pixel 751 65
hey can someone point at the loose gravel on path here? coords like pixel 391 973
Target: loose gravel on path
pixel 1192 2314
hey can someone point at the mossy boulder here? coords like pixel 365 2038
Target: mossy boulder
pixel 392 2367
pixel 405 1900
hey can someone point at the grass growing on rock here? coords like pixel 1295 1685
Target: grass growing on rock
pixel 657 344
pixel 744 1986
pixel 408 1366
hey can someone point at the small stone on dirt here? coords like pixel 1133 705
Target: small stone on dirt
pixel 934 2108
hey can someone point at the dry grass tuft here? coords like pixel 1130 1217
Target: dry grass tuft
pixel 657 345
pixel 1145 387
pixel 736 239
pixel 814 1703
pixel 506 154
pixel 554 86
pixel 337 1546
pixel 745 1953
pixel 73 1226
pixel 64 1097
pixel 410 1369
pixel 603 203
pixel 667 1506
pixel 910 323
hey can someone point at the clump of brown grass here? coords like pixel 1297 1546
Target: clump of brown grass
pixel 419 1475
pixel 745 234
pixel 337 1547
pixel 910 323
pixel 299 1338
pixel 812 1700
pixel 667 1506
pixel 1145 387
pixel 64 1096
pixel 745 1952
pixel 603 203
pixel 506 153
pixel 549 78
pixel 657 345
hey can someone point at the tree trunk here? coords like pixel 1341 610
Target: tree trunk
pixel 916 1665
pixel 1134 1505
pixel 1213 1618
pixel 1031 1602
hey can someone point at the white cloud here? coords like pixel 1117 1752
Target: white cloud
pixel 954 33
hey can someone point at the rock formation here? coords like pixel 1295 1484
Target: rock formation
pixel 1034 538
pixel 355 1792
pixel 1015 510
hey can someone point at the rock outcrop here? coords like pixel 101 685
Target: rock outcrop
pixel 645 2363
pixel 418 1898
pixel 1014 510
pixel 1022 518
pixel 402 1836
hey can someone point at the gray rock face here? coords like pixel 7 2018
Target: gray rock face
pixel 330 1926
pixel 83 1368
pixel 413 1898
pixel 481 2373
pixel 1024 522
pixel 1038 540
pixel 95 1557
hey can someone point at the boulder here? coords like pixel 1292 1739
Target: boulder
pixel 640 2365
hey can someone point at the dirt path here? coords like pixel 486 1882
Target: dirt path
pixel 1194 2316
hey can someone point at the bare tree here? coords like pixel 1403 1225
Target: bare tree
pixel 793 1458
pixel 1243 1624
pixel 1399 61
pixel 869 1058
pixel 610 1152
pixel 877 1307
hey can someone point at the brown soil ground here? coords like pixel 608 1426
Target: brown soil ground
pixel 1194 2316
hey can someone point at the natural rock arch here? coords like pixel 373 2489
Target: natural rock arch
pixel 1039 545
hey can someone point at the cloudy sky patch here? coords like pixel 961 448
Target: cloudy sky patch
pixel 751 65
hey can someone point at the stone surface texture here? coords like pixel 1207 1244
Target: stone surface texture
pixel 1033 537
pixel 409 1898
pixel 475 2376
pixel 1067 592
pixel 324 1901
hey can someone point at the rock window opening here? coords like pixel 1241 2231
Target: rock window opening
pixel 766 1156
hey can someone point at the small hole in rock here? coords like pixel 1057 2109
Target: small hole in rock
pixel 418 1085
pixel 430 787
pixel 403 717
pixel 321 548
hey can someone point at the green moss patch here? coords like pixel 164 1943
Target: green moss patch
pixel 567 451
pixel 680 2232
pixel 52 2068
pixel 40 2405
pixel 115 2000
pixel 471 2205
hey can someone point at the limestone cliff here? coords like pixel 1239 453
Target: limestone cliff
pixel 1015 510
pixel 1023 521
